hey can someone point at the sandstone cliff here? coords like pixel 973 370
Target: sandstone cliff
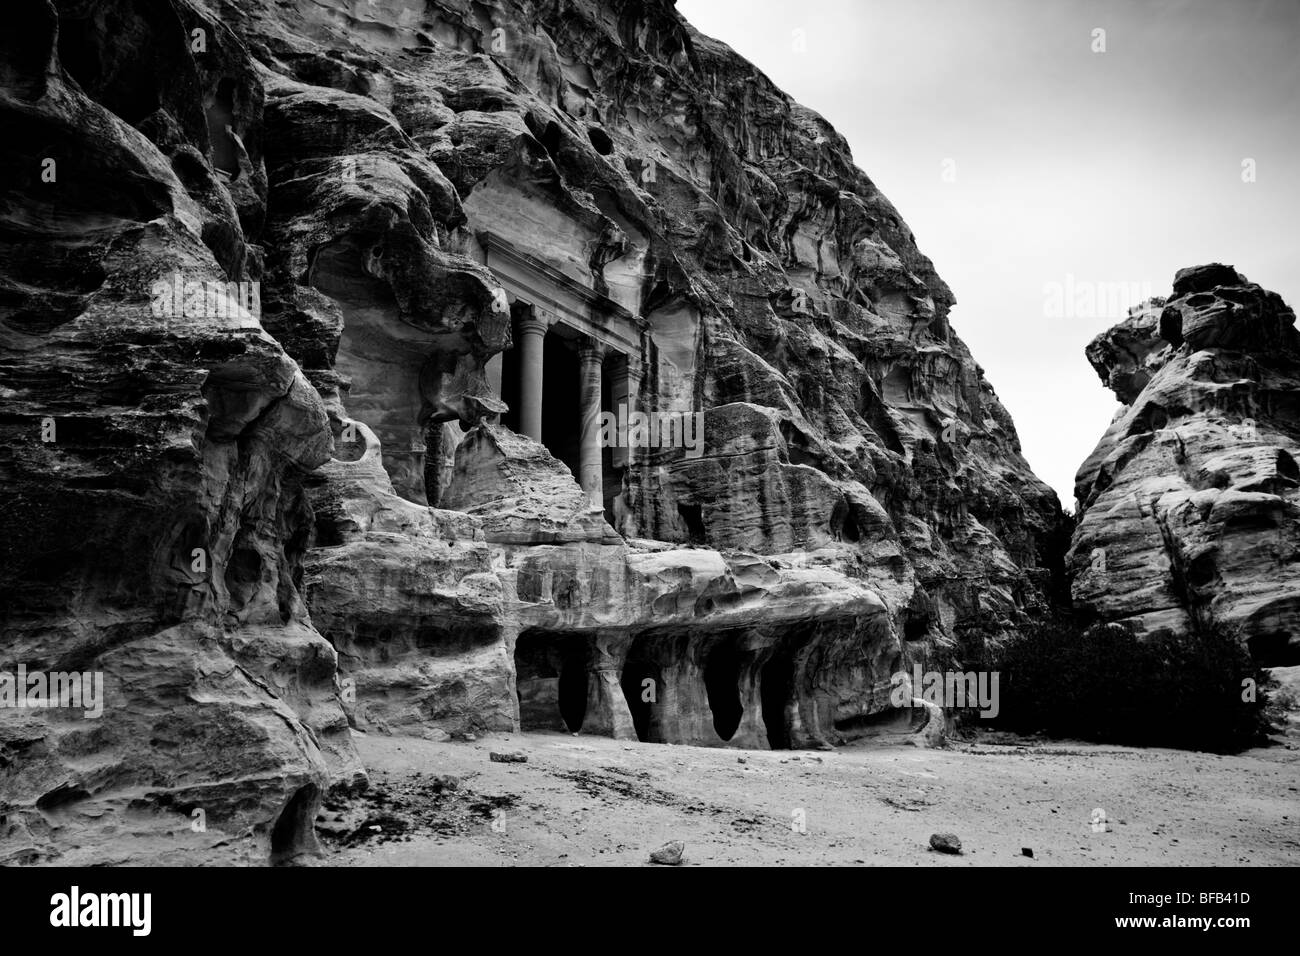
pixel 1189 505
pixel 269 518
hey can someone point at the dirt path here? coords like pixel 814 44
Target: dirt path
pixel 582 801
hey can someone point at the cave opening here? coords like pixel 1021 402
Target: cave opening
pixel 843 527
pixel 552 139
pixel 776 690
pixel 611 470
pixel 1286 466
pixel 722 686
pixel 693 517
pixel 600 140
pixel 916 625
pixel 641 681
pixel 294 830
pixel 1276 647
pixel 872 409
pixel 220 115
pixel 551 681
pixel 243 575
pixel 573 693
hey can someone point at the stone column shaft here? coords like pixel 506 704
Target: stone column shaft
pixel 590 355
pixel 532 334
pixel 626 390
pixel 493 370
pixel 607 711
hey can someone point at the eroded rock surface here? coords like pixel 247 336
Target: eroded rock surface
pixel 408 188
pixel 1190 504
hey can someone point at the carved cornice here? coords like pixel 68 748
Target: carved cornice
pixel 506 253
pixel 559 297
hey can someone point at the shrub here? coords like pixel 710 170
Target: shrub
pixel 1103 684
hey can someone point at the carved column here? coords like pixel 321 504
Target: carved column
pixel 607 711
pixel 590 355
pixel 493 371
pixel 532 333
pixel 625 387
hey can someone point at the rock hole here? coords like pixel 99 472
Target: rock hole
pixel 1286 466
pixel 432 638
pixel 561 402
pixel 843 527
pixel 637 693
pixel 776 686
pixel 549 135
pixel 220 115
pixel 551 681
pixel 573 693
pixel 1171 326
pixel 243 575
pixel 1202 570
pixel 1152 418
pixel 294 831
pixel 600 140
pixel 796 442
pixel 873 411
pixel 1251 522
pixel 61 795
pixel 722 685
pixel 692 516
pixel 916 625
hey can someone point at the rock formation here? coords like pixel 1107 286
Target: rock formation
pixel 1190 504
pixel 447 367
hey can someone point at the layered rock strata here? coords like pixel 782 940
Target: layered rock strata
pixel 1190 504
pixel 342 313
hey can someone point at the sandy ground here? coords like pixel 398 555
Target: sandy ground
pixel 590 801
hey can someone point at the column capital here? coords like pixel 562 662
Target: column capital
pixel 533 325
pixel 589 350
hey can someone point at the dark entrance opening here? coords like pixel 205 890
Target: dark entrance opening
pixel 561 401
pixel 220 115
pixel 561 405
pixel 551 680
pixel 641 696
pixel 612 478
pixel 776 689
pixel 916 625
pixel 693 516
pixel 722 684
pixel 294 832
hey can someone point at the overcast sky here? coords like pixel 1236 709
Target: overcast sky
pixel 1021 159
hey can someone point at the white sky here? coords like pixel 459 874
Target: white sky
pixel 1114 167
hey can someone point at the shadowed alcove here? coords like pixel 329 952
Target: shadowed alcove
pixel 551 680
pixel 641 697
pixel 722 685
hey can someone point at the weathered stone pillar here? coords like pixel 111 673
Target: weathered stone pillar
pixel 607 711
pixel 590 355
pixel 532 333
pixel 493 371
pixel 625 387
